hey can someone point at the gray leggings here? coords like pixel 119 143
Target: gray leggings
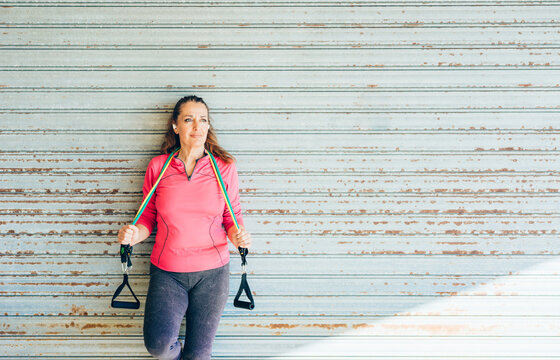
pixel 200 295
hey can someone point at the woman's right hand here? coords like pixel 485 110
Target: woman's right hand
pixel 128 235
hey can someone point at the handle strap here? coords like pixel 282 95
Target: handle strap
pixel 244 287
pixel 125 304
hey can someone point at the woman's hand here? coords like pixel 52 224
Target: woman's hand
pixel 243 238
pixel 129 235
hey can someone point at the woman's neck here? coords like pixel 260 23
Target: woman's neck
pixel 190 154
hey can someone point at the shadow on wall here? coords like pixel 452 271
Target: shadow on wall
pixel 512 315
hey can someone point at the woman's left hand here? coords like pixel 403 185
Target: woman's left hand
pixel 243 238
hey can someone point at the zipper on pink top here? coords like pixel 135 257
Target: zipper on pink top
pixel 194 167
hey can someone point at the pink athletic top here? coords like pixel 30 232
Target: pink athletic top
pixel 191 214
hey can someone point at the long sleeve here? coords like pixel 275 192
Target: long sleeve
pixel 232 187
pixel 148 217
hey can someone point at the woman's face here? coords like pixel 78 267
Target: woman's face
pixel 192 124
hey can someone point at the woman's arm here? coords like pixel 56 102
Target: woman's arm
pixel 239 238
pixel 148 217
pixel 133 234
pixel 232 236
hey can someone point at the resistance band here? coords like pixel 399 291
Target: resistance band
pixel 244 286
pixel 126 250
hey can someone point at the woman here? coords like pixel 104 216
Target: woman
pixel 189 269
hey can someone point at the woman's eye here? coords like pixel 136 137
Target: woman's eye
pixel 189 119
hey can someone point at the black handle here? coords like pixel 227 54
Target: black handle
pixel 243 304
pixel 244 288
pixel 125 304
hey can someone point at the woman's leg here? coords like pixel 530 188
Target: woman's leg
pixel 166 304
pixel 207 300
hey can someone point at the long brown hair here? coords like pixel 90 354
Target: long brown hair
pixel 172 141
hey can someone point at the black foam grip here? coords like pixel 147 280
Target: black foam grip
pixel 125 304
pixel 243 304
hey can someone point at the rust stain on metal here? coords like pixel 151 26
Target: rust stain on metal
pixel 270 211
pixel 312 25
pixel 362 326
pixel 328 326
pixel 78 310
pixel 105 326
pixel 413 24
pixel 283 326
pixel 456 243
pixel 429 211
pixel 486 212
pixel 94 326
pixel 272 326
pixel 71 324
pixel 462 252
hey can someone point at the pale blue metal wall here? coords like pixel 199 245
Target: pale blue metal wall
pixel 398 166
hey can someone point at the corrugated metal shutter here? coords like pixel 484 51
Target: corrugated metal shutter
pixel 397 165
